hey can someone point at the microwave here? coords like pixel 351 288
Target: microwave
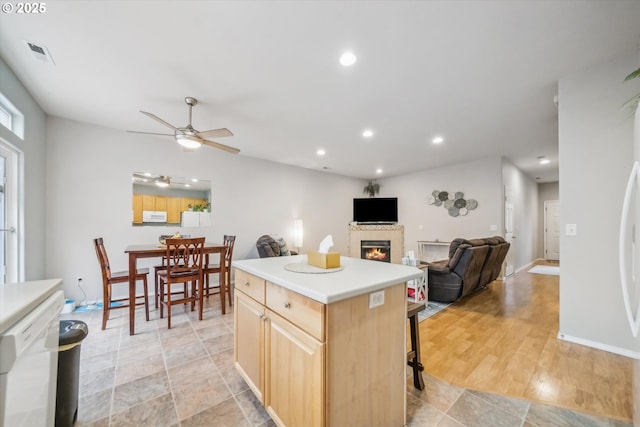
pixel 154 216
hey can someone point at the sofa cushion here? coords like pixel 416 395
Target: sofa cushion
pixel 453 246
pixel 455 258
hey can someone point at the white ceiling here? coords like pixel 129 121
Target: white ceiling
pixel 481 73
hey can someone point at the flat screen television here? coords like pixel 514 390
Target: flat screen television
pixel 376 210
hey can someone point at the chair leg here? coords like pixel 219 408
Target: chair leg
pixel 168 306
pixel 106 304
pixel 200 298
pixel 161 299
pixel 146 296
pixel 415 363
pixel 228 283
pixel 222 286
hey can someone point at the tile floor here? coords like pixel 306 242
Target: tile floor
pixel 185 377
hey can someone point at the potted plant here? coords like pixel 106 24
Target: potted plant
pixel 372 188
pixel 635 100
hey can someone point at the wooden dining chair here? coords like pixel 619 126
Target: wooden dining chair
pixel 184 265
pixel 110 278
pixel 224 283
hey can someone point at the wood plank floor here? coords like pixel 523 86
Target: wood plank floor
pixel 503 340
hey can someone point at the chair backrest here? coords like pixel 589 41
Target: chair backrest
pixel 184 257
pixel 229 241
pixel 103 259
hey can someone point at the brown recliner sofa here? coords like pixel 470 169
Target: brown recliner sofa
pixel 472 265
pixel 267 247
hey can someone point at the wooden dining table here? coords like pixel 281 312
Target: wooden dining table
pixel 157 251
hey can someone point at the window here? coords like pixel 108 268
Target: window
pixel 11 118
pixel 5 117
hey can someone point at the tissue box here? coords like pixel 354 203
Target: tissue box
pixel 328 260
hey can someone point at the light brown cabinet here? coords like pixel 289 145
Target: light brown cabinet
pixel 173 206
pixel 326 365
pixel 137 208
pixel 173 210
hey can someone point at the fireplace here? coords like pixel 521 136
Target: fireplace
pixel 376 250
pixel 391 234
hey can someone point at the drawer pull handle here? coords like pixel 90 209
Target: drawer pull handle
pixel 246 283
pixel 263 317
pixel 287 305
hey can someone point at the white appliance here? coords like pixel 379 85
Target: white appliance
pixel 154 216
pixel 29 333
pixel 629 253
pixel 195 219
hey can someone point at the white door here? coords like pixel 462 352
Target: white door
pixel 10 266
pixel 552 230
pixel 508 232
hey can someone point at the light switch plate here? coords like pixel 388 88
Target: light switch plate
pixel 571 229
pixel 376 299
pixel 493 227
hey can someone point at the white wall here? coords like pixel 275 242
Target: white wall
pixel 524 247
pixel 595 162
pixel 480 180
pixel 546 191
pixel 34 172
pixel 89 195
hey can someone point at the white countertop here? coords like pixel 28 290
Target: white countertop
pixel 18 299
pixel 357 277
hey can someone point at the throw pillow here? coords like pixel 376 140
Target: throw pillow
pixel 284 250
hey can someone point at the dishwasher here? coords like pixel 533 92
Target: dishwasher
pixel 29 364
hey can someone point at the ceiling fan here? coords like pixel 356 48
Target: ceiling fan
pixel 189 137
pixel 159 180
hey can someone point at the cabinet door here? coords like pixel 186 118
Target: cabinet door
pixel 137 208
pixel 173 210
pixel 248 353
pixel 294 393
pixel 148 202
pixel 161 203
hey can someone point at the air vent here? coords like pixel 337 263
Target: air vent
pixel 39 52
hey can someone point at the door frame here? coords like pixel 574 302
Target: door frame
pixel 548 203
pixel 509 225
pixel 14 214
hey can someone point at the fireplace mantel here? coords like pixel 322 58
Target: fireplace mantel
pixel 392 232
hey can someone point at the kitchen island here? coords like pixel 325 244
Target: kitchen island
pixel 322 348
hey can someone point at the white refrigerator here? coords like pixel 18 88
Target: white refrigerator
pixel 630 258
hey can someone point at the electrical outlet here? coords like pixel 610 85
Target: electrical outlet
pixel 376 299
pixel 571 229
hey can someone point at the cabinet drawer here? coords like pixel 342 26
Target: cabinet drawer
pixel 303 312
pixel 250 285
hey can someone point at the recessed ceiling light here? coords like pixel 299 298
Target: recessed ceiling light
pixel 368 133
pixel 321 152
pixel 348 59
pixel 543 160
pixel 187 185
pixel 378 171
pixel 194 179
pixel 437 140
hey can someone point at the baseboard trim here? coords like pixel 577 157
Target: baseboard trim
pixel 526 267
pixel 599 346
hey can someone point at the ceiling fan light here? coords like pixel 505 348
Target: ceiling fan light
pixel 188 141
pixel 162 181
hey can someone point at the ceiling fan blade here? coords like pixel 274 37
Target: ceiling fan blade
pixel 215 133
pixel 219 146
pixel 151 133
pixel 158 119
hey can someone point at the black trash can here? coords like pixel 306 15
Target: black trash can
pixel 72 332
